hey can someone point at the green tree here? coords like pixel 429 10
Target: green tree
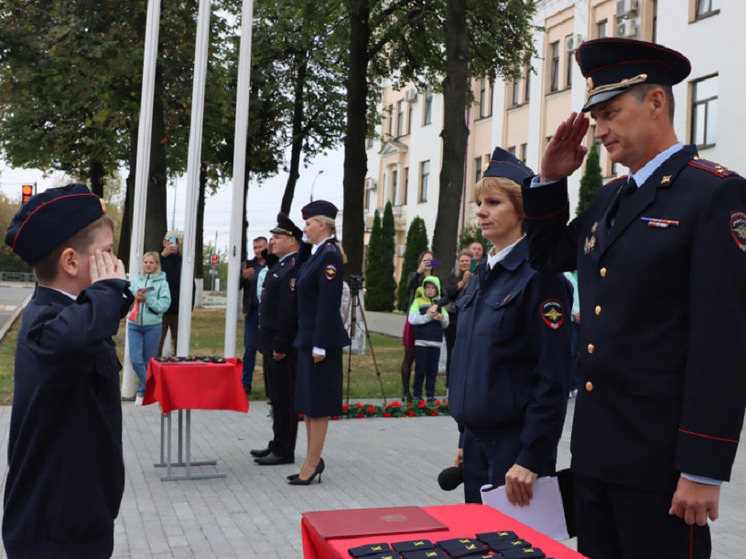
pixel 416 245
pixel 379 270
pixel 9 261
pixel 406 41
pixel 591 182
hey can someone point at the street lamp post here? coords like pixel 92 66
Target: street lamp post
pixel 314 182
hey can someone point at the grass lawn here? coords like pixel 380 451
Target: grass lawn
pixel 208 326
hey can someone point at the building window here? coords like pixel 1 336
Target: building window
pixel 704 111
pixel 399 118
pixel 568 70
pixel 511 149
pixel 516 91
pixel 391 120
pixel 527 87
pixel 522 153
pixel 485 98
pixel 601 29
pixel 410 110
pixel 554 68
pixel 427 116
pixel 424 179
pixel 477 169
pixel 394 186
pixel 405 187
pixel 706 8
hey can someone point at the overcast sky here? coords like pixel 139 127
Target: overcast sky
pixel 263 204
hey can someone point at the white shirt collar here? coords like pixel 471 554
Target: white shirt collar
pixel 494 259
pixel 314 248
pixel 651 166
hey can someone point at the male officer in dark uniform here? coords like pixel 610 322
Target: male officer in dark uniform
pixel 661 260
pixel 274 338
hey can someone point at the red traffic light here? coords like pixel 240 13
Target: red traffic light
pixel 215 258
pixel 27 191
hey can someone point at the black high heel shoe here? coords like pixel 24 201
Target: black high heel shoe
pixel 317 472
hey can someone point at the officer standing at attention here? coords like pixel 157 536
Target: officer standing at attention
pixel 661 260
pixel 274 339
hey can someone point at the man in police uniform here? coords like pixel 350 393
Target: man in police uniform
pixel 274 338
pixel 661 259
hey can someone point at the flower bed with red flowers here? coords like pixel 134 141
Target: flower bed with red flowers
pixel 394 409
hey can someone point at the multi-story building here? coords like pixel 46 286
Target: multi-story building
pixel 521 116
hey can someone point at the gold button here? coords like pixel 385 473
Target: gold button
pixel 602 271
pixel 589 386
pixel 598 310
pixel 591 348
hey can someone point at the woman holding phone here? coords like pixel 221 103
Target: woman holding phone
pixel 426 266
pixel 152 299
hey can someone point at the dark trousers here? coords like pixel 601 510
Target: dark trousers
pixel 488 459
pixel 281 378
pixel 450 335
pixel 170 321
pixel 615 522
pixel 425 369
pixel 250 326
pixel 406 370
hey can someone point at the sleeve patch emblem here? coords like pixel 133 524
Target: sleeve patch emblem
pixel 738 229
pixel 552 313
pixel 292 284
pixel 330 272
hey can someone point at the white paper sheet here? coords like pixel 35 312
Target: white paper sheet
pixel 544 513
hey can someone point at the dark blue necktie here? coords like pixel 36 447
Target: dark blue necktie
pixel 622 196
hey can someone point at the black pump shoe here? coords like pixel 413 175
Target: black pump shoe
pixel 300 481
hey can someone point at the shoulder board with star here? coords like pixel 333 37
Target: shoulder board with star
pixel 712 167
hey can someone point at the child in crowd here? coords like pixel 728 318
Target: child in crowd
pixel 428 319
pixel 65 466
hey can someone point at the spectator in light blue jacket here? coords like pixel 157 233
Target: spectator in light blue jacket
pixel 152 299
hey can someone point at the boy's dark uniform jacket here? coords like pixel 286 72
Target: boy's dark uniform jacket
pixel 663 321
pixel 65 466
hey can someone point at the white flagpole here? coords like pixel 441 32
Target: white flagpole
pixel 239 166
pixel 193 169
pixel 144 131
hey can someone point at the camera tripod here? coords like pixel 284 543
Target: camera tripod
pixel 355 304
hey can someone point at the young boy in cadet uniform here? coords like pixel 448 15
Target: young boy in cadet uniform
pixel 428 320
pixel 65 466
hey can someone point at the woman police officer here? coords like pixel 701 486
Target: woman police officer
pixel 509 372
pixel 321 335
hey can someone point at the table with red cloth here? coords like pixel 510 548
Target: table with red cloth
pixel 461 520
pixel 193 385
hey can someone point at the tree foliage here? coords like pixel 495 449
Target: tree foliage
pixel 379 270
pixel 436 44
pixel 416 245
pixel 591 182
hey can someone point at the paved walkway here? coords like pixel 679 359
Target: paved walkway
pixel 253 512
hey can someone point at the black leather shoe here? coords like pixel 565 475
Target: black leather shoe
pixel 273 459
pixel 256 453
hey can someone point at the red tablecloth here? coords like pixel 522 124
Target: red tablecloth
pixel 463 521
pixel 196 386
